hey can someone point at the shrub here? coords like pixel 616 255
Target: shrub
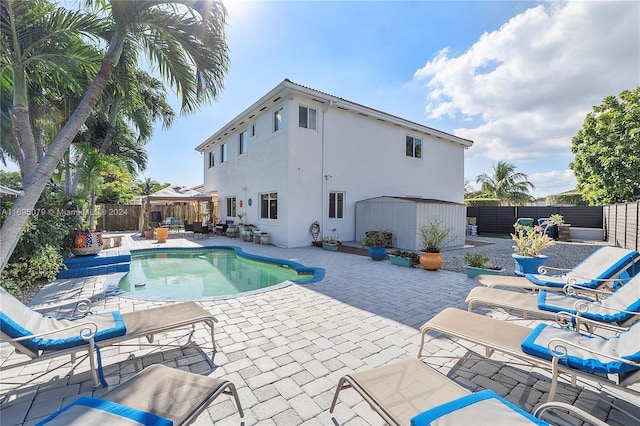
pixel 379 238
pixel 434 236
pixel 43 264
pixel 415 258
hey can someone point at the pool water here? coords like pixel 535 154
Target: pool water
pixel 195 273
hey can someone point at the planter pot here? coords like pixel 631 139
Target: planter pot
pixel 232 231
pixel 161 234
pixel 264 238
pixel 564 232
pixel 473 272
pixel 148 235
pixel 329 246
pixel 431 261
pixel 528 264
pixel 246 232
pixel 86 243
pixel 377 253
pixel 401 261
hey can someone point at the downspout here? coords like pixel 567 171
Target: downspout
pixel 323 201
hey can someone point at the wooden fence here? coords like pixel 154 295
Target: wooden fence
pixel 126 217
pixel 621 225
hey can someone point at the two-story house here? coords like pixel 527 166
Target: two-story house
pixel 298 155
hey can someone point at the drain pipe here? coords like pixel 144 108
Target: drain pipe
pixel 324 177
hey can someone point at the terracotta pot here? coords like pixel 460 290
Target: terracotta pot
pixel 161 234
pixel 431 261
pixel 148 234
pixel 87 243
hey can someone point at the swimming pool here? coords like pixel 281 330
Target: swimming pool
pixel 194 273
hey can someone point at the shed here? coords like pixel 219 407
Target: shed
pixel 403 215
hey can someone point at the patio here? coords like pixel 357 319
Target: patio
pixel 286 349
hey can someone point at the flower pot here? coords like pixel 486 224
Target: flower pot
pixel 401 261
pixel 148 234
pixel 232 231
pixel 161 234
pixel 563 232
pixel 329 246
pixel 528 264
pixel 264 238
pixel 431 261
pixel 86 243
pixel 473 272
pixel 377 253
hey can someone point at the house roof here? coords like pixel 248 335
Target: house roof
pixel 8 191
pixel 287 87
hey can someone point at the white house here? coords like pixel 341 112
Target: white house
pixel 298 155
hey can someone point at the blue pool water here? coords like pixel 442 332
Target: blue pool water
pixel 207 272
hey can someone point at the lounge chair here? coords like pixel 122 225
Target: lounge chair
pixel 40 337
pixel 621 307
pixel 410 392
pixel 157 395
pixel 564 351
pixel 602 267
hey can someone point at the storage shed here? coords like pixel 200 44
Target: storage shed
pixel 403 215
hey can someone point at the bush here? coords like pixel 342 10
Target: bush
pixel 477 260
pixel 415 258
pixel 43 264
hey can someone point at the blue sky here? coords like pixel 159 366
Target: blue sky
pixel 517 77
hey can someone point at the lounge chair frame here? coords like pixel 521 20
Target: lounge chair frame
pixel 506 337
pixel 188 314
pixel 405 388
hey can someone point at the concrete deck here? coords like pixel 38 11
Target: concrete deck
pixel 286 349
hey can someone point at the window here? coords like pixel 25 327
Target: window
pixel 307 118
pixel 269 205
pixel 336 205
pixel 223 153
pixel 231 206
pixel 242 145
pixel 253 130
pixel 277 119
pixel 212 159
pixel 414 147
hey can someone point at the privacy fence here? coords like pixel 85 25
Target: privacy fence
pixel 118 217
pixel 621 224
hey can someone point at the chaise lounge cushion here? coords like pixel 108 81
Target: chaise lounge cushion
pixel 477 408
pixel 581 355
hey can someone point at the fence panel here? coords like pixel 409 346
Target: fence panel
pixel 622 221
pixel 125 217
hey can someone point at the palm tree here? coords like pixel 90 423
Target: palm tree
pixel 185 40
pixel 507 185
pixel 91 176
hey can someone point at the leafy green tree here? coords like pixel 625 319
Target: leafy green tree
pixel 185 40
pixel 607 151
pixel 506 185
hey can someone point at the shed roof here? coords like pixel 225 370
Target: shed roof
pixel 411 199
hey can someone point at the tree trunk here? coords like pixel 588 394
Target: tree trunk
pixel 92 210
pixel 17 219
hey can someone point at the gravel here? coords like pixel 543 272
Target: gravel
pixel 564 255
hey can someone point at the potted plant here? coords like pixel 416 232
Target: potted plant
pixel 563 228
pixel 433 237
pixel 530 241
pixel 240 216
pixel 480 263
pixel 148 233
pixel 377 241
pixel 404 258
pixel 330 243
pixel 246 233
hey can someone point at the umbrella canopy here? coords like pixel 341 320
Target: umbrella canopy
pixel 176 193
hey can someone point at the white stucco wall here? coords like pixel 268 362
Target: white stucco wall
pixel 361 156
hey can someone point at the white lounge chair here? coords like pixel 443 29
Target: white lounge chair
pixel 158 395
pixel 41 337
pixel 410 392
pixel 602 267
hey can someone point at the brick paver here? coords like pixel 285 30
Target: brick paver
pixel 286 349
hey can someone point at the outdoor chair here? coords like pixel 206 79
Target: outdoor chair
pixel 41 337
pixel 158 395
pixel 621 307
pixel 601 268
pixel 188 227
pixel 198 229
pixel 410 392
pixel 174 224
pixel 560 350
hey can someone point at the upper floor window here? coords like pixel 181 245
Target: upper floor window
pixel 212 159
pixel 231 206
pixel 336 205
pixel 269 205
pixel 414 147
pixel 242 143
pixel 223 153
pixel 307 118
pixel 253 130
pixel 277 119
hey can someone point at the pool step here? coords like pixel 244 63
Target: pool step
pixel 105 262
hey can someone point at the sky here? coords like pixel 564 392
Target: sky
pixel 516 77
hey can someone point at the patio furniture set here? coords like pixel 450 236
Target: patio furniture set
pixel 598 337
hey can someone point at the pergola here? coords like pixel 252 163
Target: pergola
pixel 170 194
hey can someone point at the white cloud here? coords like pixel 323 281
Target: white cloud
pixel 552 182
pixel 530 84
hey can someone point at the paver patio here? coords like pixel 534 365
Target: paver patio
pixel 285 349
